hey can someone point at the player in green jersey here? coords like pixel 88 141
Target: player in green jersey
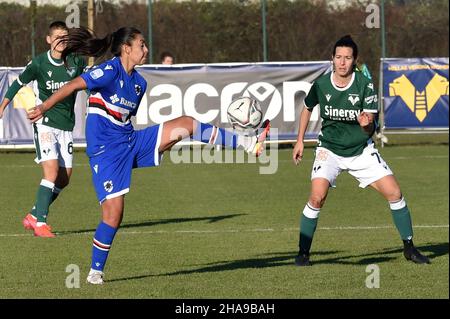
pixel 348 105
pixel 53 133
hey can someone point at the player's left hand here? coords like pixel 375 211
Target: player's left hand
pixel 36 113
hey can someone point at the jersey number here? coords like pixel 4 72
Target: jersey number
pixel 70 148
pixel 377 155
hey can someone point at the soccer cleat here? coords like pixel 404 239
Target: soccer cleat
pixel 29 222
pixel 43 231
pixel 259 146
pixel 411 253
pixel 95 277
pixel 302 259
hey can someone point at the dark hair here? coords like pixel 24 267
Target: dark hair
pixel 84 42
pixel 165 54
pixel 346 41
pixel 57 25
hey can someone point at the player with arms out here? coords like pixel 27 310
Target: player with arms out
pixel 348 105
pixel 53 133
pixel 114 148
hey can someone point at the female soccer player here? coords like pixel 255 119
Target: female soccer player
pixel 348 103
pixel 52 134
pixel 114 148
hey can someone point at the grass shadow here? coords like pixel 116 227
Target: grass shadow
pixel 287 259
pixel 149 223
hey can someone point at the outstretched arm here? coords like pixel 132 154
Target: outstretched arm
pixel 38 111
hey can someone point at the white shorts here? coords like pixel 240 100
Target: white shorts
pixel 367 167
pixel 53 144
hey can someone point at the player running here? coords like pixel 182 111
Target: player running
pixel 53 133
pixel 114 148
pixel 348 104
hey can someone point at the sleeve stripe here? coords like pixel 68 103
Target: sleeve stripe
pixel 18 81
pixel 370 111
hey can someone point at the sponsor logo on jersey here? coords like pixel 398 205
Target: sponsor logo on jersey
pixel 54 86
pixel 108 185
pixel 108 67
pixel 97 73
pixel 328 97
pixel 370 86
pixel 121 83
pixel 114 98
pixel 49 73
pixel 353 98
pixel 96 168
pixel 419 102
pixel 339 114
pixel 371 99
pixel 122 101
pixel 127 103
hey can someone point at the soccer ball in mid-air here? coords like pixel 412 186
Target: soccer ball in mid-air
pixel 245 114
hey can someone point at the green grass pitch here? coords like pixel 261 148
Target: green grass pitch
pixel 225 231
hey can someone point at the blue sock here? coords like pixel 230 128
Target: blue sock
pixel 103 238
pixel 210 134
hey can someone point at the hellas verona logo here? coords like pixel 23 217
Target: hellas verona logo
pixel 353 98
pixel 420 103
pixel 70 71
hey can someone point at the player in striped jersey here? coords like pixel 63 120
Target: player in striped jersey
pixel 348 105
pixel 53 133
pixel 114 148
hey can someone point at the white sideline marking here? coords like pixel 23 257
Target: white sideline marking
pixel 258 230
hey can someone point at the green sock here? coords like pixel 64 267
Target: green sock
pixel 402 219
pixel 44 199
pixel 55 194
pixel 307 229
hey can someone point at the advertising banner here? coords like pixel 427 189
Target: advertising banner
pixel 416 93
pixel 202 91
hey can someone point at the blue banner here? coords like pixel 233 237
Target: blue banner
pixel 416 93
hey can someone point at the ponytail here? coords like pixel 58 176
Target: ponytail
pixel 82 41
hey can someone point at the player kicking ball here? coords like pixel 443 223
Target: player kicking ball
pixel 348 104
pixel 114 148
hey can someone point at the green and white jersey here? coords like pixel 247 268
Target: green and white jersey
pixel 49 75
pixel 339 108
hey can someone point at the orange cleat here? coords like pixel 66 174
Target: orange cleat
pixel 29 222
pixel 43 231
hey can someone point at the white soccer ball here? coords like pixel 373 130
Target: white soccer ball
pixel 245 114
